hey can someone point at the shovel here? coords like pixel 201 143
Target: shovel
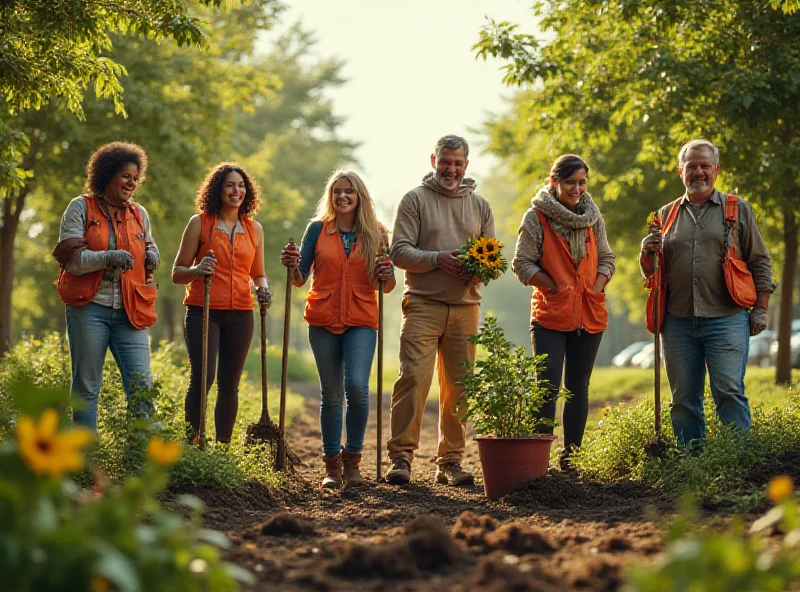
pixel 265 429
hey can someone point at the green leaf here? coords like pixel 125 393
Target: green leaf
pixel 117 568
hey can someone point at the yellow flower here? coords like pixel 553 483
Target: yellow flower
pixel 46 450
pixel 163 452
pixel 780 488
pixel 493 261
pixel 99 584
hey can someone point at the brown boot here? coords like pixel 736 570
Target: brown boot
pixel 352 476
pixel 333 471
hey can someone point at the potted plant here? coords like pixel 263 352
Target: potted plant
pixel 503 399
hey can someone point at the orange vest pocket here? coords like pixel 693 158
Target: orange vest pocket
pixel 140 304
pixel 555 311
pixel 595 313
pixel 319 308
pixel 363 309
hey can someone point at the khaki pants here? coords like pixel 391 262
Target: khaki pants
pixel 430 328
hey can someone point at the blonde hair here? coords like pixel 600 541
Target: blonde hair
pixel 372 236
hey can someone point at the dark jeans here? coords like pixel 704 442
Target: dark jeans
pixel 229 334
pixel 694 344
pixel 579 350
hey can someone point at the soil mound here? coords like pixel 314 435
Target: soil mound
pixel 787 463
pixel 482 534
pixel 426 546
pixel 558 490
pixel 496 576
pixel 285 524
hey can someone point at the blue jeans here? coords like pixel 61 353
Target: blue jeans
pixel 91 330
pixel 693 344
pixel 344 363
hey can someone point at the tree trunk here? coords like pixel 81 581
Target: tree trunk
pixel 12 208
pixel 783 366
pixel 168 308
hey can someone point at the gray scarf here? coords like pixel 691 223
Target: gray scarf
pixel 570 224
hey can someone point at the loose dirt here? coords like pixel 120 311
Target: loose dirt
pixel 558 533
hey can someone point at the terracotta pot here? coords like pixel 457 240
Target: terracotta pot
pixel 509 462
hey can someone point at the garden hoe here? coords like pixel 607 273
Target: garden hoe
pixel 657 447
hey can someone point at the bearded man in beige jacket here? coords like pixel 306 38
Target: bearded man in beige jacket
pixel 440 308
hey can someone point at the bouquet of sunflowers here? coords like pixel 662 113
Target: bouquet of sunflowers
pixel 483 258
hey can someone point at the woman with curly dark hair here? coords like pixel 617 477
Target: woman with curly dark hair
pixel 222 240
pixel 107 257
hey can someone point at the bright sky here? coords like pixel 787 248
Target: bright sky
pixel 411 79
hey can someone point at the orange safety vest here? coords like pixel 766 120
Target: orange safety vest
pixel 577 305
pixel 138 297
pixel 231 284
pixel 341 292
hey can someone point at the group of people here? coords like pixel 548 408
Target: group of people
pixel 107 256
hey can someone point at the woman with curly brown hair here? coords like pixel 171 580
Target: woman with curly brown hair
pixel 107 257
pixel 222 240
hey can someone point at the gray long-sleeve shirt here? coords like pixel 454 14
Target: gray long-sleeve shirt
pixel 528 252
pixel 73 225
pixel 692 251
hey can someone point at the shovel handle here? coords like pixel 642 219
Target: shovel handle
pixel 264 410
pixel 657 350
pixel 379 404
pixel 201 433
pixel 280 462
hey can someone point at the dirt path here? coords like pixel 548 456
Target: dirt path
pixel 558 534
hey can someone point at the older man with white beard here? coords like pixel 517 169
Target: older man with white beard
pixel 440 308
pixel 703 326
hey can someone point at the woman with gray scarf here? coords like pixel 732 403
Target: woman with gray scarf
pixel 563 252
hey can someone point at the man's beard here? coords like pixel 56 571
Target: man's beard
pixel 448 184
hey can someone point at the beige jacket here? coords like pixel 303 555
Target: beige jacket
pixel 427 222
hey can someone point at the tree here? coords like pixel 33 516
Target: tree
pixel 49 55
pixel 189 110
pixel 634 80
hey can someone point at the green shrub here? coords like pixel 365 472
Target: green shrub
pixel 55 536
pixel 119 449
pixel 700 560
pixel 503 393
pixel 716 472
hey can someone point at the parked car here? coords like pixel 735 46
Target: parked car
pixel 759 352
pixel 624 357
pixel 646 357
pixel 794 348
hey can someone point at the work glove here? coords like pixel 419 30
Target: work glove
pixel 384 270
pixel 758 320
pixel 652 243
pixel 150 260
pixel 290 255
pixel 119 259
pixel 206 266
pixel 264 296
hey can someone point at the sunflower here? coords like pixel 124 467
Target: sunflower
pixel 493 261
pixel 47 451
pixel 163 452
pixel 477 251
pixel 780 488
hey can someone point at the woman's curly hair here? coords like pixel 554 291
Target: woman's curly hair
pixel 106 161
pixel 208 199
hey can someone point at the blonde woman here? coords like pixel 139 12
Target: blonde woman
pixel 344 245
